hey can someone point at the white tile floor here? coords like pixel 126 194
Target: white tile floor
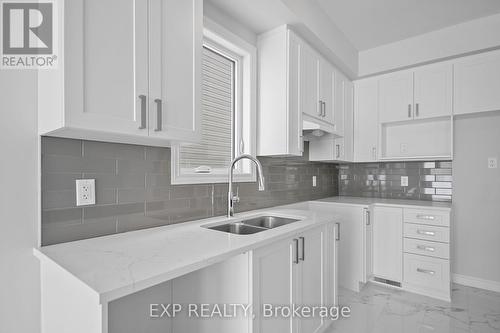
pixel 378 309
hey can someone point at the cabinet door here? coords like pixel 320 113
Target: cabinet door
pixel 295 140
pixel 309 82
pixel 106 66
pixel 340 86
pixel 477 83
pixel 366 120
pixel 327 92
pixel 388 243
pixel 313 275
pixel 433 91
pixel 396 97
pixel 176 35
pixel 273 282
pixel 348 121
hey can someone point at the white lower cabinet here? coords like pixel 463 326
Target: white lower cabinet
pixel 388 243
pixel 274 274
pixel 295 271
pixel 411 247
pixel 427 252
pixel 354 248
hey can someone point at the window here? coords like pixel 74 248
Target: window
pixel 227 115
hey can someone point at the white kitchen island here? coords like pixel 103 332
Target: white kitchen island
pixel 108 284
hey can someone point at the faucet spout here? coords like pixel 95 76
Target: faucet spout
pixel 231 199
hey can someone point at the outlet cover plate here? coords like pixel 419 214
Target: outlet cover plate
pixel 492 163
pixel 85 192
pixel 404 180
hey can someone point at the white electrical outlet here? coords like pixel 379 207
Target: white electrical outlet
pixel 492 163
pixel 403 148
pixel 85 192
pixel 404 180
pixel 314 181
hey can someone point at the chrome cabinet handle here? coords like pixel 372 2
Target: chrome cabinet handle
pixel 416 110
pixel 425 271
pixel 368 217
pixel 426 217
pixel 143 99
pixel 409 110
pixel 320 108
pixel 425 232
pixel 374 153
pixel 426 248
pixel 338 231
pixel 296 245
pixel 324 109
pixel 303 255
pixel 158 115
pixel 337 151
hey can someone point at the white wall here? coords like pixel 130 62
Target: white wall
pixel 19 209
pixel 216 15
pixel 476 197
pixel 460 39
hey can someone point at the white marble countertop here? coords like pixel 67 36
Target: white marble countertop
pixel 361 201
pixel 118 265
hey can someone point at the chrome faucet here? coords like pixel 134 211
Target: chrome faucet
pixel 231 199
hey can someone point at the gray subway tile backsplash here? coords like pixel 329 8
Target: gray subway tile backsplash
pixel 134 191
pixel 426 180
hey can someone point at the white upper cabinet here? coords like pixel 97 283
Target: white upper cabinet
pixel 477 83
pixel 280 115
pixel 396 97
pixel 416 94
pixel 366 120
pixel 120 58
pixel 328 96
pixel 338 146
pixel 348 130
pixel 310 82
pixel 176 40
pixel 340 102
pixel 433 91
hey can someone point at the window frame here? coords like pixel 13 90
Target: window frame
pixel 221 40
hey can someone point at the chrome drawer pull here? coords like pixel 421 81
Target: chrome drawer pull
pixel 425 232
pixel 296 246
pixel 426 217
pixel 426 248
pixel 158 115
pixel 143 99
pixel 425 271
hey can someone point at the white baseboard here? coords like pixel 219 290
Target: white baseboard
pixel 476 282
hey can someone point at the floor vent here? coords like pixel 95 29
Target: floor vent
pixel 389 282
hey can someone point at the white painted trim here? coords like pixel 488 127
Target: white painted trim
pixel 230 42
pixel 476 282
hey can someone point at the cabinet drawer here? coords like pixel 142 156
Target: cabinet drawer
pixel 427 232
pixel 426 248
pixel 430 217
pixel 426 272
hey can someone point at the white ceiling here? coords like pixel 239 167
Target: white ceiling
pixel 258 15
pixel 371 23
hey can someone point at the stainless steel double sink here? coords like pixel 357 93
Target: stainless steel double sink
pixel 253 225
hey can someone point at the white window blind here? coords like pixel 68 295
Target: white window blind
pixel 215 151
